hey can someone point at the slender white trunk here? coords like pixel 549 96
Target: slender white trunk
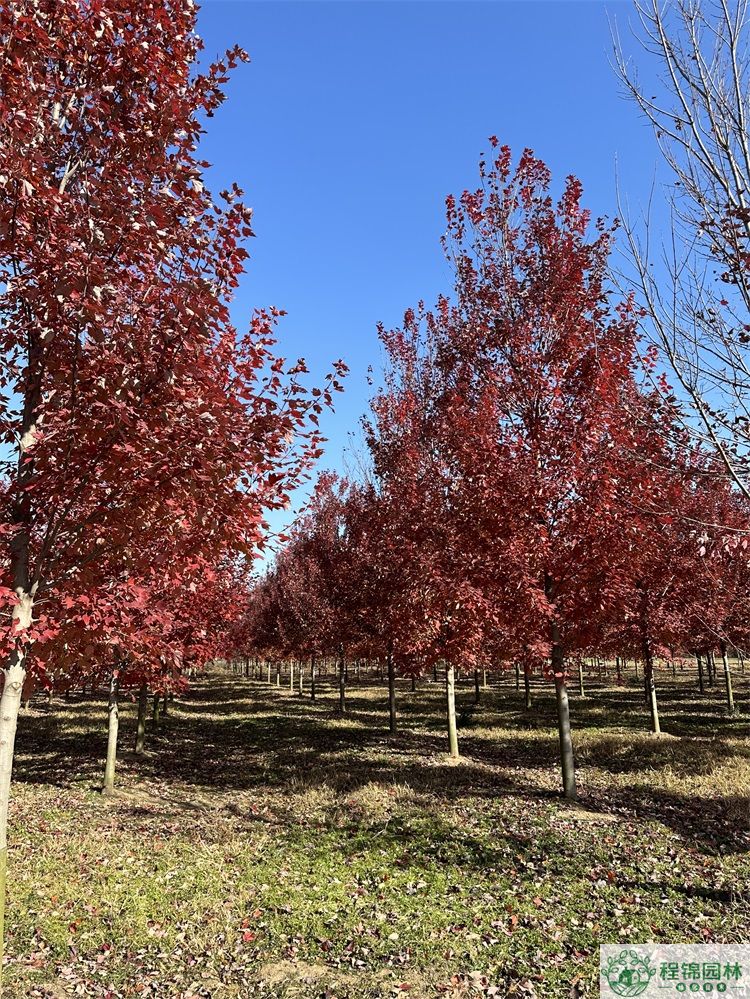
pixel 450 697
pixel 10 703
pixel 727 678
pixel 650 681
pixel 9 707
pixel 113 713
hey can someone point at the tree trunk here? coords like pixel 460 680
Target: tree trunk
pixel 10 702
pixel 518 677
pixel 700 671
pixel 22 520
pixel 313 670
pixel 727 678
pixel 477 689
pixel 450 696
pixel 581 688
pixel 413 682
pixel 567 759
pixel 527 690
pixel 140 736
pixel 391 690
pixel 291 675
pixel 484 679
pixel 278 674
pixel 648 672
pixel 268 672
pixel 342 683
pixel 113 717
pixel 301 668
pixel 618 667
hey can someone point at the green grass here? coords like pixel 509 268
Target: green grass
pixel 266 847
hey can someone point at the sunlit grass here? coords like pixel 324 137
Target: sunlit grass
pixel 267 847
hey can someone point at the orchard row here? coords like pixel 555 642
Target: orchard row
pixel 533 496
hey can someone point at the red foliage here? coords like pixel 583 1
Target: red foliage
pixel 149 435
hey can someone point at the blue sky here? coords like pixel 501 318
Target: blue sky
pixel 355 119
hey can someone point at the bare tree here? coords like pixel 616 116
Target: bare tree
pixel 695 284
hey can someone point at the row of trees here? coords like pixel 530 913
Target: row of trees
pixel 533 499
pixel 536 494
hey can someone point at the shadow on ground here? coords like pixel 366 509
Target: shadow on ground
pixel 233 735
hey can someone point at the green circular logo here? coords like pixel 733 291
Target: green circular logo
pixel 628 974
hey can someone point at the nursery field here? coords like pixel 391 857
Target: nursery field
pixel 266 846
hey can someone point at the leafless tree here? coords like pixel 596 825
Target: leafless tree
pixel 695 283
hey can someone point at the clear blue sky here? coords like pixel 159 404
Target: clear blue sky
pixel 355 119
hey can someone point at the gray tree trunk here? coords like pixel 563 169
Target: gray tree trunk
pixel 567 759
pixel 313 671
pixel 342 683
pixel 140 735
pixel 391 691
pixel 113 725
pixel 527 690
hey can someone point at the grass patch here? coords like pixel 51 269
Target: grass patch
pixel 264 847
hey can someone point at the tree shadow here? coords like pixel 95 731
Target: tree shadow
pixel 235 736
